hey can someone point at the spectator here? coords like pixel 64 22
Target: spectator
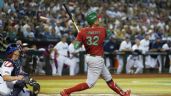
pixel 51 34
pixel 54 34
pixel 47 33
pixel 120 34
pixel 1 23
pixel 58 29
pixel 25 28
pixel 123 16
pixel 28 34
pixel 1 4
pixel 12 34
pixel 3 44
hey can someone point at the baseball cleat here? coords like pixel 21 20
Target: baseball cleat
pixel 63 93
pixel 127 93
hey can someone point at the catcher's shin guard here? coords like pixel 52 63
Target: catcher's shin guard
pixel 18 87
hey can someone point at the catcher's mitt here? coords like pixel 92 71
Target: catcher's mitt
pixel 36 88
pixel 35 85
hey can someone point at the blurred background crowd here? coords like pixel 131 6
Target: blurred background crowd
pixel 127 19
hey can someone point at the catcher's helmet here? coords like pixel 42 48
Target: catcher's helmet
pixel 11 48
pixel 91 17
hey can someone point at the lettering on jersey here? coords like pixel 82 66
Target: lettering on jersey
pixel 93 32
pixel 8 64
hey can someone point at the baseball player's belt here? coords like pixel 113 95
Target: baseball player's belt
pixel 92 55
pixel 95 55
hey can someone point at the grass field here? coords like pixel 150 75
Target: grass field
pixel 140 86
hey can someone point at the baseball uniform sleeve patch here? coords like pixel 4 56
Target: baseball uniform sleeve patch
pixel 8 64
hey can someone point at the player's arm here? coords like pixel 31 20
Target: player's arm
pixel 12 78
pixel 77 44
pixel 79 40
pixel 108 34
pixel 6 73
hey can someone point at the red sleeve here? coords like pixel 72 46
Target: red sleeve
pixel 79 36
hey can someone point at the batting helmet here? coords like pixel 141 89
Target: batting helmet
pixel 91 17
pixel 11 48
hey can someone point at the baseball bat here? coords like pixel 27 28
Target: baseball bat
pixel 44 18
pixel 71 17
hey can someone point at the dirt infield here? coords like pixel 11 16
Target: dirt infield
pixel 40 77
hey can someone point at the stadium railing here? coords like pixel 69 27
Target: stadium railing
pixel 165 63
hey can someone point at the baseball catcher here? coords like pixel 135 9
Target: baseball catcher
pixel 13 80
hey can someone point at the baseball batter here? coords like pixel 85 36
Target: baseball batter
pixel 93 38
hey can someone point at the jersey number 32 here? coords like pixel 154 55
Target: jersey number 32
pixel 92 40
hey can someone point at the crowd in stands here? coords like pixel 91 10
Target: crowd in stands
pixel 20 19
